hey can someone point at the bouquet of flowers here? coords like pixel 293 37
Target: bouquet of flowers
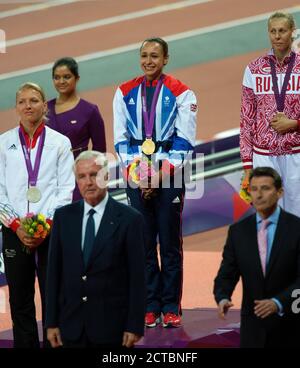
pixel 35 226
pixel 244 190
pixel 141 169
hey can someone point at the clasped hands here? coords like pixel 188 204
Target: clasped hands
pixel 282 124
pixel 148 188
pixel 28 240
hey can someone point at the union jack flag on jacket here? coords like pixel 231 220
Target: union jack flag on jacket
pixel 175 121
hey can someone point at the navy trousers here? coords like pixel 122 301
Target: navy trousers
pixel 163 219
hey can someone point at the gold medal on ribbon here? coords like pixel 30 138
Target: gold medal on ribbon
pixel 148 146
pixel 33 194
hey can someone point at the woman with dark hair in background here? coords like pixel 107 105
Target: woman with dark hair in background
pixel 73 116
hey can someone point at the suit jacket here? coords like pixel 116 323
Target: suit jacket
pixel 108 296
pixel 241 259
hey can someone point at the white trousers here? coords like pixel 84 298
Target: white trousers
pixel 288 167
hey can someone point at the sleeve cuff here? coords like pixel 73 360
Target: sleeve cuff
pixel 15 224
pixel 279 306
pixel 224 301
pixel 49 221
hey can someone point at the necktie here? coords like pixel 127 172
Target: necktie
pixel 262 238
pixel 89 236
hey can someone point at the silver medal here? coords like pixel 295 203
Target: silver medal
pixel 33 194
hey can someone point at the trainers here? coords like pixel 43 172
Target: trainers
pixel 171 320
pixel 152 319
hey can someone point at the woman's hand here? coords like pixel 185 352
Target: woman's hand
pixel 27 240
pixel 147 193
pixel 246 177
pixel 149 186
pixel 282 124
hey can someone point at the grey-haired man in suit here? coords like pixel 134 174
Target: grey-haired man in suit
pixel 96 273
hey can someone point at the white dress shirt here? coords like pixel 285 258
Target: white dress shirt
pixel 97 216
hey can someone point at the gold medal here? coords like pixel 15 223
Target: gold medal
pixel 33 195
pixel 148 146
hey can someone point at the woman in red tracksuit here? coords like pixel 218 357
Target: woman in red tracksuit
pixel 270 111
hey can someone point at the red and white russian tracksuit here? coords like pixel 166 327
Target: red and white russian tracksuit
pixel 260 144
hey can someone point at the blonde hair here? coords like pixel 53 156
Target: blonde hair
pixel 34 86
pixel 290 19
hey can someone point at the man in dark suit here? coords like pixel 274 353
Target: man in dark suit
pixel 96 271
pixel 264 250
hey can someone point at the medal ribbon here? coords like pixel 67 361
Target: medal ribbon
pixel 280 97
pixel 149 121
pixel 32 172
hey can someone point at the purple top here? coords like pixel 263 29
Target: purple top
pixel 80 124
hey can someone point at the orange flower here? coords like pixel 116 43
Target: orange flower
pixel 245 184
pixel 40 228
pixel 44 234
